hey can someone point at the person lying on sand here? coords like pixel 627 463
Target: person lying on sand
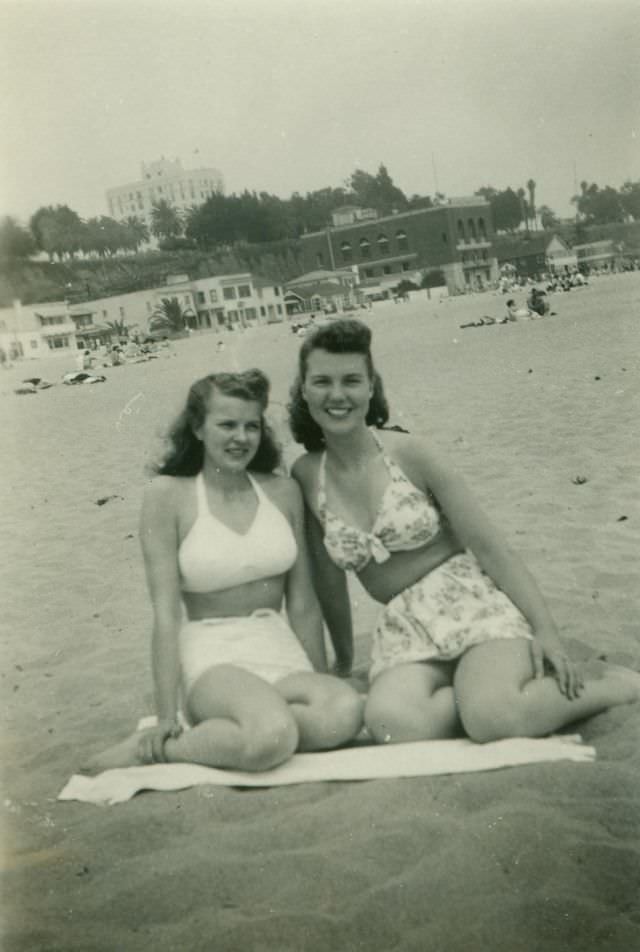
pixel 223 536
pixel 465 642
pixel 484 322
pixel 75 377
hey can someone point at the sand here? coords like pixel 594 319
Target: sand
pixel 545 857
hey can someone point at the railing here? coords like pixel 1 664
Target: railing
pixel 469 243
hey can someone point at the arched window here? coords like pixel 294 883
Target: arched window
pixel 365 248
pixel 345 248
pixel 383 245
pixel 472 229
pixel 445 240
pixel 460 230
pixel 482 229
pixel 403 241
pixel 320 260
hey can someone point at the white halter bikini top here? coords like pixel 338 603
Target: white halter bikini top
pixel 213 557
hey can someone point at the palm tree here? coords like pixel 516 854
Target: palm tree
pixel 166 221
pixel 138 229
pixel 119 328
pixel 168 316
pixel 523 209
pixel 531 186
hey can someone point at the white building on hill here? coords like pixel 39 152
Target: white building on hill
pixel 164 179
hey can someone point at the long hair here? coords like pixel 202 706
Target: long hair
pixel 185 452
pixel 338 337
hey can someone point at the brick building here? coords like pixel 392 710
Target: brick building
pixel 456 239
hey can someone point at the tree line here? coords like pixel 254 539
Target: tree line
pixel 225 222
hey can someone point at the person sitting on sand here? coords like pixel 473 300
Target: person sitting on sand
pixel 515 313
pixel 465 641
pixel 223 536
pixel 537 303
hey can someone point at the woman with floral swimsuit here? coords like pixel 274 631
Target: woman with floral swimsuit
pixel 465 642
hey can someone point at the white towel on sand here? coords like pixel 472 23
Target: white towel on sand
pixel 419 759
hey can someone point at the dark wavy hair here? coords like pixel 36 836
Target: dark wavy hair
pixel 185 452
pixel 337 337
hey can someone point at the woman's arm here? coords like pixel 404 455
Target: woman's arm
pixel 303 609
pixel 159 540
pixel 329 582
pixel 476 532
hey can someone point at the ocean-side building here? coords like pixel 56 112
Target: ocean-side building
pixel 455 238
pixel 604 254
pixel 237 300
pixel 532 255
pixel 90 335
pixel 323 290
pixel 37 330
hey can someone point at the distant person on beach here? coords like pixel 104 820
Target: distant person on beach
pixel 84 360
pixel 537 302
pixel 515 313
pixel 116 356
pixel 223 537
pixel 464 642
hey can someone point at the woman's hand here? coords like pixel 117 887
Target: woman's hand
pixel 552 659
pixel 152 741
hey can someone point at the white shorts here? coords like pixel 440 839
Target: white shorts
pixel 262 643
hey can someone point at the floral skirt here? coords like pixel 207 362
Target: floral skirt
pixel 437 619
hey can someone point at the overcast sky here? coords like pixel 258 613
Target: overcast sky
pixel 293 95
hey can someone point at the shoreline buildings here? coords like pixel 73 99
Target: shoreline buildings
pixel 163 180
pixel 218 303
pixel 455 239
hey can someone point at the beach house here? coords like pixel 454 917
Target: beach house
pixel 37 330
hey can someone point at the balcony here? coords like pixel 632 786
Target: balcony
pixel 471 244
pixel 56 330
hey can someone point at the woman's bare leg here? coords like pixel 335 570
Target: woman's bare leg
pixel 412 702
pixel 328 712
pixel 240 722
pixel 498 696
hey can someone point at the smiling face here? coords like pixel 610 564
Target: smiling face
pixel 337 389
pixel 231 431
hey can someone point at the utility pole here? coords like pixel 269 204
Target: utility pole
pixel 435 174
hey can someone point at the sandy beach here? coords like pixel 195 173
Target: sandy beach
pixel 541 417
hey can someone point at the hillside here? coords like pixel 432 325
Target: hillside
pixel 34 282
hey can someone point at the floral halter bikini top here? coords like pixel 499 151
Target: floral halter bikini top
pixel 406 519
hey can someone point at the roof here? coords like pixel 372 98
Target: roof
pixel 451 206
pixel 508 248
pixel 319 289
pixel 321 275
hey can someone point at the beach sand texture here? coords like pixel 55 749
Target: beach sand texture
pixel 542 858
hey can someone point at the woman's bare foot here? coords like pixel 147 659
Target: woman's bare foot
pixel 126 753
